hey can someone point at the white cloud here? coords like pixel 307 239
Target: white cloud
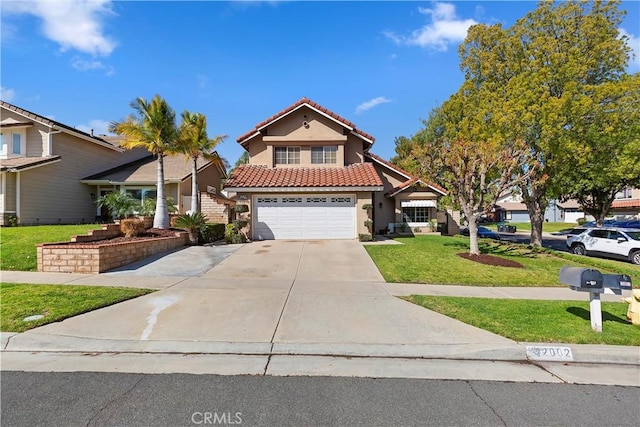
pixel 7 94
pixel 73 24
pixel 82 65
pixel 444 29
pixel 634 43
pixel 99 127
pixel 367 105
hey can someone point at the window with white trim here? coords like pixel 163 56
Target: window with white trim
pixel 415 214
pixel 287 155
pixel 324 155
pixel 16 143
pixel 625 193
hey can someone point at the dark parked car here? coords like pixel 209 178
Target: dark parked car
pixel 482 232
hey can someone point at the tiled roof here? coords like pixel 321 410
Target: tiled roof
pixel 412 179
pixel 19 163
pixel 632 203
pixel 103 139
pixel 256 176
pixel 176 168
pixel 314 105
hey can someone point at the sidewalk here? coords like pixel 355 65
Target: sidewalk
pixel 291 316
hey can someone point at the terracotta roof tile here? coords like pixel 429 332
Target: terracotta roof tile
pixel 633 203
pixel 256 176
pixel 412 180
pixel 312 104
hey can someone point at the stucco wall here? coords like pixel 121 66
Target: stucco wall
pixel 53 193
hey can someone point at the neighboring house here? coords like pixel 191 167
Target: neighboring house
pixel 43 164
pixel 310 174
pixel 627 204
pixel 510 207
pixel 138 179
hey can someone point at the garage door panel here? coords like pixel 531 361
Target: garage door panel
pixel 305 217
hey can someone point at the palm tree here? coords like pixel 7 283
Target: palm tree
pixel 154 128
pixel 195 143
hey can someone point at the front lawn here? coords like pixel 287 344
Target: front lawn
pixel 54 302
pixel 433 259
pixel 19 243
pixel 537 321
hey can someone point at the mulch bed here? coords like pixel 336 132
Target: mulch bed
pixel 152 233
pixel 490 260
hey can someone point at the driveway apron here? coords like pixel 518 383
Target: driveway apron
pixel 292 296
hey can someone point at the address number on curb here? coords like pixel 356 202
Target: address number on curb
pixel 560 354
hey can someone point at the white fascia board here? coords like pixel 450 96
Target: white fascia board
pixel 90 139
pixel 299 189
pixel 390 168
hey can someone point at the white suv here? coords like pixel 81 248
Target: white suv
pixel 608 242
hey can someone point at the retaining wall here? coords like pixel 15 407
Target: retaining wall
pixel 70 257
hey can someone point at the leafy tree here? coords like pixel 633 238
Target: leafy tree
pixel 603 145
pixel 154 128
pixel 403 157
pixel 242 160
pixel 195 143
pixel 456 149
pixel 540 65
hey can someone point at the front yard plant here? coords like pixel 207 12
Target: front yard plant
pixel 537 321
pixel 434 259
pixel 54 302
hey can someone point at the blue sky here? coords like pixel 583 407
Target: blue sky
pixel 382 65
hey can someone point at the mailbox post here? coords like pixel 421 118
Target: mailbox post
pixel 592 281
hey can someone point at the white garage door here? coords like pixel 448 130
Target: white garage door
pixel 304 217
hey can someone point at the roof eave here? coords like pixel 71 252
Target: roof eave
pixel 302 189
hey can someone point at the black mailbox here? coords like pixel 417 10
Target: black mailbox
pixel 582 279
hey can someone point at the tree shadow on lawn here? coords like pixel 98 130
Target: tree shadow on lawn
pixel 606 316
pixel 495 248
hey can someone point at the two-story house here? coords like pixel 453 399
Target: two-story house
pixel 51 173
pixel 311 175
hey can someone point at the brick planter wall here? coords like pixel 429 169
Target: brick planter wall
pixel 81 258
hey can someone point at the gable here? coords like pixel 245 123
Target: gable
pixel 305 124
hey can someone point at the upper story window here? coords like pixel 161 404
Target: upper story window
pixel 625 194
pixel 324 155
pixel 287 155
pixel 12 143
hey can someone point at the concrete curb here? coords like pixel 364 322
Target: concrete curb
pixel 582 353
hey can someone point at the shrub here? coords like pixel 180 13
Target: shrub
pixel 12 221
pixel 211 232
pixel 365 237
pixel 367 206
pixel 232 234
pixel 242 209
pixel 581 221
pixel 132 227
pixel 193 223
pixel 120 205
pixel 241 223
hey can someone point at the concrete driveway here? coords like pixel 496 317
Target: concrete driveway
pixel 288 297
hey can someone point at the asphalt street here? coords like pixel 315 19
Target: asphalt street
pixel 73 399
pixel 558 243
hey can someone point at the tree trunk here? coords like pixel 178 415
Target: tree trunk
pixel 161 219
pixel 535 199
pixel 474 249
pixel 195 207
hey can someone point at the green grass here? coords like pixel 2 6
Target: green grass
pixel 537 321
pixel 55 302
pixel 18 244
pixel 549 227
pixel 433 259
